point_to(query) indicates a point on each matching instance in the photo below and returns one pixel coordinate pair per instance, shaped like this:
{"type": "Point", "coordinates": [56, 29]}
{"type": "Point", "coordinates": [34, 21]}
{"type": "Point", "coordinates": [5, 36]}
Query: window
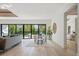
{"type": "Point", "coordinates": [34, 30]}
{"type": "Point", "coordinates": [27, 31]}
{"type": "Point", "coordinates": [42, 29]}
{"type": "Point", "coordinates": [12, 29]}
{"type": "Point", "coordinates": [4, 30]}
{"type": "Point", "coordinates": [19, 29]}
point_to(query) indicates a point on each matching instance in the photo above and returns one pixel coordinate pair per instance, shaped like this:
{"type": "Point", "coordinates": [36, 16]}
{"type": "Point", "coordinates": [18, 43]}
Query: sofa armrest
{"type": "Point", "coordinates": [2, 43]}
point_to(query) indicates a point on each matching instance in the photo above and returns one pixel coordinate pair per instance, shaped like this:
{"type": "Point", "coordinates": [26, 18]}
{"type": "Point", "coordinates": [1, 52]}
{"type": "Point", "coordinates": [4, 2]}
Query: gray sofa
{"type": "Point", "coordinates": [11, 41]}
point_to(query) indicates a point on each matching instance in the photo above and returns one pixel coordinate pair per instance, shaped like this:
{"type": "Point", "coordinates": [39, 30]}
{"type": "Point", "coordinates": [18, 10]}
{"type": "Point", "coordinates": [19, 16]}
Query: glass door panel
{"type": "Point", "coordinates": [4, 30]}
{"type": "Point", "coordinates": [42, 29]}
{"type": "Point", "coordinates": [34, 30]}
{"type": "Point", "coordinates": [20, 30]}
{"type": "Point", "coordinates": [27, 31]}
{"type": "Point", "coordinates": [12, 29]}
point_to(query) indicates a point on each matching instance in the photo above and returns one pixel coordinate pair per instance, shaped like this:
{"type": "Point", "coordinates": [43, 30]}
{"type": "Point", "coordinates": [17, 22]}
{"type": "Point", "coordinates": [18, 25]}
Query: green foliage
{"type": "Point", "coordinates": [12, 29]}
{"type": "Point", "coordinates": [27, 29]}
{"type": "Point", "coordinates": [49, 31]}
{"type": "Point", "coordinates": [20, 31]}
{"type": "Point", "coordinates": [33, 29]}
{"type": "Point", "coordinates": [42, 29]}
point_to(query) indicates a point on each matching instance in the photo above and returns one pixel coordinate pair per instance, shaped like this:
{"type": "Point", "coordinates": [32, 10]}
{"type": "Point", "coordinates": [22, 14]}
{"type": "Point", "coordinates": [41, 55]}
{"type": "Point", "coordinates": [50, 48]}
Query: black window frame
{"type": "Point", "coordinates": [23, 29]}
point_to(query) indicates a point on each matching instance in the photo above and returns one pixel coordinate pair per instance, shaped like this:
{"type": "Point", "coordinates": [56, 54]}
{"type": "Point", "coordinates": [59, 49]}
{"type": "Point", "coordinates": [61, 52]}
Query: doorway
{"type": "Point", "coordinates": [70, 29]}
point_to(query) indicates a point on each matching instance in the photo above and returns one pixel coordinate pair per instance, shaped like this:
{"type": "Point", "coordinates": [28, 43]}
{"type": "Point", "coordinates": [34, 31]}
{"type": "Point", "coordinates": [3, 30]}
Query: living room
{"type": "Point", "coordinates": [33, 27]}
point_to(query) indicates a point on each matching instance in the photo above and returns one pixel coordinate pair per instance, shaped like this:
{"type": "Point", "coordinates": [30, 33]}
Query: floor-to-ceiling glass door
{"type": "Point", "coordinates": [27, 31]}
{"type": "Point", "coordinates": [42, 29]}
{"type": "Point", "coordinates": [34, 31]}
{"type": "Point", "coordinates": [19, 30]}
{"type": "Point", "coordinates": [12, 29]}
{"type": "Point", "coordinates": [4, 30]}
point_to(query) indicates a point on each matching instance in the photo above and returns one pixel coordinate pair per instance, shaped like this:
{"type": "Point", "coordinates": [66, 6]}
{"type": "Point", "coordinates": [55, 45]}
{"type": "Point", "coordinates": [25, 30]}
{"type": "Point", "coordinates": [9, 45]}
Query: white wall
{"type": "Point", "coordinates": [24, 21]}
{"type": "Point", "coordinates": [59, 20]}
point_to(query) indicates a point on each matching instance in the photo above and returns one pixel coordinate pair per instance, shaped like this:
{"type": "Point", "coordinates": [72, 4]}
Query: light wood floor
{"type": "Point", "coordinates": [29, 48]}
{"type": "Point", "coordinates": [71, 44]}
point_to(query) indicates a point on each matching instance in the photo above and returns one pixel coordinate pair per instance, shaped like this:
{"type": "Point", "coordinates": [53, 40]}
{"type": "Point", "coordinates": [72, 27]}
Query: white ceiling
{"type": "Point", "coordinates": [36, 10]}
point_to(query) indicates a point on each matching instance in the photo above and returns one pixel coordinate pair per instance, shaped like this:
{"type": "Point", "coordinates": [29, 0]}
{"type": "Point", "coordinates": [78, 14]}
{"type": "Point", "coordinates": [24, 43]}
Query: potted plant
{"type": "Point", "coordinates": [49, 32]}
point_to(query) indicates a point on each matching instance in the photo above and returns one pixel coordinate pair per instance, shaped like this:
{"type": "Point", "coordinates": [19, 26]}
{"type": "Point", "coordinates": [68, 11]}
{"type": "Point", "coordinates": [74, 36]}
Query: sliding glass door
{"type": "Point", "coordinates": [19, 30]}
{"type": "Point", "coordinates": [4, 30]}
{"type": "Point", "coordinates": [42, 29]}
{"type": "Point", "coordinates": [12, 29]}
{"type": "Point", "coordinates": [34, 30]}
{"type": "Point", "coordinates": [27, 31]}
